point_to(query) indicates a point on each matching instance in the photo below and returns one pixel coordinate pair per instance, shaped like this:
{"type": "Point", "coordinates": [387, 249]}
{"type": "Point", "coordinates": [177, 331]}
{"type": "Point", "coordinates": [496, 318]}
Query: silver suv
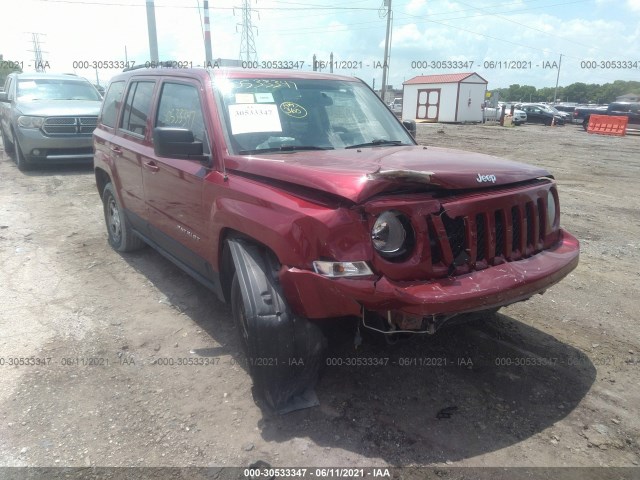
{"type": "Point", "coordinates": [48, 118]}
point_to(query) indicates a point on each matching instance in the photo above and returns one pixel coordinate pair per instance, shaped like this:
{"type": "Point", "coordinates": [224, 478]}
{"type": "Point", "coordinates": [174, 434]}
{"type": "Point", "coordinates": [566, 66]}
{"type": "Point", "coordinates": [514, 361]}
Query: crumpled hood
{"type": "Point", "coordinates": [59, 108]}
{"type": "Point", "coordinates": [358, 174]}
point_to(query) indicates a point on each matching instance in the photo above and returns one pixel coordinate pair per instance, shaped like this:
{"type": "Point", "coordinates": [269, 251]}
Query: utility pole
{"type": "Point", "coordinates": [385, 64]}
{"type": "Point", "coordinates": [207, 36]}
{"type": "Point", "coordinates": [153, 37]}
{"type": "Point", "coordinates": [555, 94]}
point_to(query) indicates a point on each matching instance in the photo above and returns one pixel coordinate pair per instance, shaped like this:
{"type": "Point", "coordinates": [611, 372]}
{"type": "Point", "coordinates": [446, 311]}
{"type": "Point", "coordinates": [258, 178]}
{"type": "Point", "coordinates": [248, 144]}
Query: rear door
{"type": "Point", "coordinates": [134, 148]}
{"type": "Point", "coordinates": [103, 135]}
{"type": "Point", "coordinates": [174, 187]}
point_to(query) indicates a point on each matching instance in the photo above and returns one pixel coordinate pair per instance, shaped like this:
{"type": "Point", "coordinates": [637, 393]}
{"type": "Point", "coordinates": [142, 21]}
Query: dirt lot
{"type": "Point", "coordinates": [554, 381]}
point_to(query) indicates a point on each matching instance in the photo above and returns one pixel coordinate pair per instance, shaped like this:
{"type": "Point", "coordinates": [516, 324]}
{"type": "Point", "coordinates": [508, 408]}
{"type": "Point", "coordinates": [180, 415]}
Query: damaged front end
{"type": "Point", "coordinates": [442, 256]}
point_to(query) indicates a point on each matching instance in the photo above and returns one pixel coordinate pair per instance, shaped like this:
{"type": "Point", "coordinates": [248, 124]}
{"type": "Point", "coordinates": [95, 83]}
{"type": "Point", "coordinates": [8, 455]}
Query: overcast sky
{"type": "Point", "coordinates": [509, 33]}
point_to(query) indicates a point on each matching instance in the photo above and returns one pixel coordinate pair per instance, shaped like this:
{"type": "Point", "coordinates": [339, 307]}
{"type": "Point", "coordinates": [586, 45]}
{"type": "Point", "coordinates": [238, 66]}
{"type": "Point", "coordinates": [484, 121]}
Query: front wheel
{"type": "Point", "coordinates": [21, 161]}
{"type": "Point", "coordinates": [121, 236]}
{"type": "Point", "coordinates": [284, 352]}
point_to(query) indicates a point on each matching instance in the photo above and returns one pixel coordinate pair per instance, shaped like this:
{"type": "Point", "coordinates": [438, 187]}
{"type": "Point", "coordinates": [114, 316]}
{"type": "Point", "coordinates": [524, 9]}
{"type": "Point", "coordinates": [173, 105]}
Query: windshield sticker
{"type": "Point", "coordinates": [293, 109]}
{"type": "Point", "coordinates": [264, 97]}
{"type": "Point", "coordinates": [244, 98]}
{"type": "Point", "coordinates": [254, 118]}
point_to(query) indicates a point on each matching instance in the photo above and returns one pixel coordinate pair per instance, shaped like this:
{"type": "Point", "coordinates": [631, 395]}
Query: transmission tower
{"type": "Point", "coordinates": [247, 43]}
{"type": "Point", "coordinates": [39, 63]}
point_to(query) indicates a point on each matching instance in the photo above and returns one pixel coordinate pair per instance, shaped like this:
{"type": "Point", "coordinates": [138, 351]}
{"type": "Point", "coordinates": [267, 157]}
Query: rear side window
{"type": "Point", "coordinates": [137, 108]}
{"type": "Point", "coordinates": [111, 104]}
{"type": "Point", "coordinates": [179, 106]}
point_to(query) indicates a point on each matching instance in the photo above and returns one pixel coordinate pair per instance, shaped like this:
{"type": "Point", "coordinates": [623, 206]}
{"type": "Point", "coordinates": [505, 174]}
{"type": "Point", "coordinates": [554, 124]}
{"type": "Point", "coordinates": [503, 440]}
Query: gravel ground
{"type": "Point", "coordinates": [104, 328]}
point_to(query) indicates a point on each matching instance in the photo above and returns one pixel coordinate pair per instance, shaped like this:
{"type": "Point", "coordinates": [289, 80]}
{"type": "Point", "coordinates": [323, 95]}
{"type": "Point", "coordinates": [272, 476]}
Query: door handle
{"type": "Point", "coordinates": [151, 166]}
{"type": "Point", "coordinates": [115, 150]}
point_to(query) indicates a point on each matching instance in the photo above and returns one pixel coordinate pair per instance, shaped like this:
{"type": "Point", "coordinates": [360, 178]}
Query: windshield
{"type": "Point", "coordinates": [276, 115]}
{"type": "Point", "coordinates": [54, 89]}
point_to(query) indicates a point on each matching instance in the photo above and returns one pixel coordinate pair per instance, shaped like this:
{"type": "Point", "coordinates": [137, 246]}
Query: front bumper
{"type": "Point", "coordinates": [37, 147]}
{"type": "Point", "coordinates": [314, 296]}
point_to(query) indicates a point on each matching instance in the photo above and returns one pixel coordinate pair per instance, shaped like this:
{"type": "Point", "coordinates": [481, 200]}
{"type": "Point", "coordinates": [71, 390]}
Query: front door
{"type": "Point", "coordinates": [428, 107]}
{"type": "Point", "coordinates": [173, 187]}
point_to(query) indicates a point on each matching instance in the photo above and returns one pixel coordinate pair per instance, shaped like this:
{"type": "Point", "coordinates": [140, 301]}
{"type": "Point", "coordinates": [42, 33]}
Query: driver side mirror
{"type": "Point", "coordinates": [410, 125]}
{"type": "Point", "coordinates": [177, 143]}
{"type": "Point", "coordinates": [4, 97]}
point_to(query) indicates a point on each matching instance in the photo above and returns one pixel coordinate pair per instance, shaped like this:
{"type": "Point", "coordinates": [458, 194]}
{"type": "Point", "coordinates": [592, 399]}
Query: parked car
{"type": "Point", "coordinates": [396, 106]}
{"type": "Point", "coordinates": [631, 110]}
{"type": "Point", "coordinates": [299, 197]}
{"type": "Point", "coordinates": [583, 111]}
{"type": "Point", "coordinates": [493, 114]}
{"type": "Point", "coordinates": [540, 113]}
{"type": "Point", "coordinates": [48, 118]}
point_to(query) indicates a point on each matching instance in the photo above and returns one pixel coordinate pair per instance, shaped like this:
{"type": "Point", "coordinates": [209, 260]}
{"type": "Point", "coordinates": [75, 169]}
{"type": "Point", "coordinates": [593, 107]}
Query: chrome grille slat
{"type": "Point", "coordinates": [69, 125]}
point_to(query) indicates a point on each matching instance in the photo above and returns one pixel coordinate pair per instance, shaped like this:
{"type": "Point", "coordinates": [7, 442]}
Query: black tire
{"type": "Point", "coordinates": [585, 124]}
{"type": "Point", "coordinates": [284, 352]}
{"type": "Point", "coordinates": [121, 236]}
{"type": "Point", "coordinates": [548, 122]}
{"type": "Point", "coordinates": [8, 146]}
{"type": "Point", "coordinates": [21, 162]}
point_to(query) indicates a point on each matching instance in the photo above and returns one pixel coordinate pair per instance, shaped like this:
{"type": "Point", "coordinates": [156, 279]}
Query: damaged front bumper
{"type": "Point", "coordinates": [315, 296]}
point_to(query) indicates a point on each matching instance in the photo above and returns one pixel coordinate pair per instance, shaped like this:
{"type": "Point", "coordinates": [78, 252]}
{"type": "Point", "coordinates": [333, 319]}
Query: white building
{"type": "Point", "coordinates": [455, 97]}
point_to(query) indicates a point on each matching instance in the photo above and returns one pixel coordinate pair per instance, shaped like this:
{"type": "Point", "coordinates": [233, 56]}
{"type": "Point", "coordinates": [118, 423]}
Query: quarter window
{"type": "Point", "coordinates": [137, 107]}
{"type": "Point", "coordinates": [111, 105]}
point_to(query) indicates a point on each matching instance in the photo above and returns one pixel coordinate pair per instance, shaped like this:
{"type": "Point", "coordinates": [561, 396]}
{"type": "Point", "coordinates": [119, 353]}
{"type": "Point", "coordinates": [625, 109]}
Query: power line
{"type": "Point", "coordinates": [80, 2]}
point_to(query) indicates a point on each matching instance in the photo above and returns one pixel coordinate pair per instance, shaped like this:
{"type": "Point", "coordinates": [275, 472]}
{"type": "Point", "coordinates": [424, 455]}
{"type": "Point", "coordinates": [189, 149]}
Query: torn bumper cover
{"type": "Point", "coordinates": [315, 296]}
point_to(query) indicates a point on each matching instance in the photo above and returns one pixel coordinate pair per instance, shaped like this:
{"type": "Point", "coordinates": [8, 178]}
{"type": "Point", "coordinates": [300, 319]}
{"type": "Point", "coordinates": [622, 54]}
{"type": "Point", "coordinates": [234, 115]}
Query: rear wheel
{"type": "Point", "coordinates": [284, 352]}
{"type": "Point", "coordinates": [121, 236]}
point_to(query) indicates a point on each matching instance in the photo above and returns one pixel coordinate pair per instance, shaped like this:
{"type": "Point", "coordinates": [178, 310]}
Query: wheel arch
{"type": "Point", "coordinates": [102, 178]}
{"type": "Point", "coordinates": [226, 262]}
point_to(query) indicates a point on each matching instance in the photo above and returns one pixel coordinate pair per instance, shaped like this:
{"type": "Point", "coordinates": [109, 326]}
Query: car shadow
{"type": "Point", "coordinates": [44, 169]}
{"type": "Point", "coordinates": [64, 169]}
{"type": "Point", "coordinates": [468, 390]}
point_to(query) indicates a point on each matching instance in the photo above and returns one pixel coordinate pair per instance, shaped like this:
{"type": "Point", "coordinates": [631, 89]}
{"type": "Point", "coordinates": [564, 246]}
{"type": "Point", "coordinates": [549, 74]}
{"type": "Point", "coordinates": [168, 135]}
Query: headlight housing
{"type": "Point", "coordinates": [26, 121]}
{"type": "Point", "coordinates": [392, 235]}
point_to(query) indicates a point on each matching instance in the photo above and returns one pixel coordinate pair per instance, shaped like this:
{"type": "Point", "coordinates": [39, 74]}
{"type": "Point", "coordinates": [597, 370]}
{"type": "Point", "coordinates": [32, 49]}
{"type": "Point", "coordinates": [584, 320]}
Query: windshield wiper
{"type": "Point", "coordinates": [377, 142]}
{"type": "Point", "coordinates": [283, 148]}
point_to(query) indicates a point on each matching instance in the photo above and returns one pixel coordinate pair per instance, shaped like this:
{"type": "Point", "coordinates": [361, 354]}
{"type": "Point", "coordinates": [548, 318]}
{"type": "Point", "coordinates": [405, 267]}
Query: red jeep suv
{"type": "Point", "coordinates": [299, 197]}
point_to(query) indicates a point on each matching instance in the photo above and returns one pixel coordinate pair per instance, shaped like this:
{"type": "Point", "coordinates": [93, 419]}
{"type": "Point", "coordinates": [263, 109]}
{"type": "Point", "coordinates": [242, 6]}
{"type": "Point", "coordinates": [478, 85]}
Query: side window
{"type": "Point", "coordinates": [137, 108]}
{"type": "Point", "coordinates": [111, 104]}
{"type": "Point", "coordinates": [179, 106]}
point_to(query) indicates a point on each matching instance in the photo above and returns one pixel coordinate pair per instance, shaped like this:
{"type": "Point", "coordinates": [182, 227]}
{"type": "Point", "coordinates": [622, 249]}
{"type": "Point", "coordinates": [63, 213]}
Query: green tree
{"type": "Point", "coordinates": [6, 69]}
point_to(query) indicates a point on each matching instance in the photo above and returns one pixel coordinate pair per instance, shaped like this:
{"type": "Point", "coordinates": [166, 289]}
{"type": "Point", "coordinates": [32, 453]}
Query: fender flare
{"type": "Point", "coordinates": [285, 352]}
